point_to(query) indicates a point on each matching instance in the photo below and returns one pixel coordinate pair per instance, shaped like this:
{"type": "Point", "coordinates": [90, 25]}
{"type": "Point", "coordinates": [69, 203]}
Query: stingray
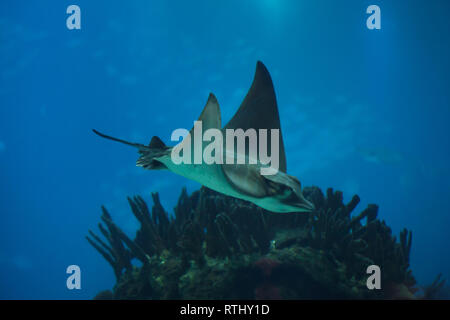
{"type": "Point", "coordinates": [277, 192]}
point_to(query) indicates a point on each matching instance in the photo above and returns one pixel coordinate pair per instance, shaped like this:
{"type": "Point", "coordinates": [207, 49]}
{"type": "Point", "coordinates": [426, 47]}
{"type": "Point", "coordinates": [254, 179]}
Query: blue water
{"type": "Point", "coordinates": [363, 111]}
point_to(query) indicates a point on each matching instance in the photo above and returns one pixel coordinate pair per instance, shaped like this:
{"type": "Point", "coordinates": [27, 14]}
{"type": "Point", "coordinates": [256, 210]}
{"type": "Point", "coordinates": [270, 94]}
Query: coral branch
{"type": "Point", "coordinates": [216, 246]}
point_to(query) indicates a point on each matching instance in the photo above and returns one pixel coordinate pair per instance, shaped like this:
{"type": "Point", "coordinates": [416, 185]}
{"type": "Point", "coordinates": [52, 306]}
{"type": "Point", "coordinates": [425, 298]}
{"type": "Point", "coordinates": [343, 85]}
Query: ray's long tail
{"type": "Point", "coordinates": [149, 154]}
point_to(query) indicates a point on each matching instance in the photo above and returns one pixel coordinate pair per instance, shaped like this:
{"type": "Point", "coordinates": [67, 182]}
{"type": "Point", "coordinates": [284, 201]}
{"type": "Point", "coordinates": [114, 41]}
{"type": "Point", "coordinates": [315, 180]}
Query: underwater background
{"type": "Point", "coordinates": [363, 111]}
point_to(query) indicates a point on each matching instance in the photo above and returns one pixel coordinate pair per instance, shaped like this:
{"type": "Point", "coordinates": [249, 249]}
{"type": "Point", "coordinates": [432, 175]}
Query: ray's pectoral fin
{"type": "Point", "coordinates": [246, 179]}
{"type": "Point", "coordinates": [210, 116]}
{"type": "Point", "coordinates": [193, 144]}
{"type": "Point", "coordinates": [149, 154]}
{"type": "Point", "coordinates": [259, 110]}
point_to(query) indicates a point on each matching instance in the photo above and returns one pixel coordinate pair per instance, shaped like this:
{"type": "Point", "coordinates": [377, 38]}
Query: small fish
{"type": "Point", "coordinates": [277, 192]}
{"type": "Point", "coordinates": [380, 155]}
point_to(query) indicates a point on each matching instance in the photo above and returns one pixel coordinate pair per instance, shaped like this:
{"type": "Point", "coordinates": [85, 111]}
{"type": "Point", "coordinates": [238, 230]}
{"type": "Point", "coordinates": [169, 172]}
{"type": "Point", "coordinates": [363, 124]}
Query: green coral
{"type": "Point", "coordinates": [218, 247]}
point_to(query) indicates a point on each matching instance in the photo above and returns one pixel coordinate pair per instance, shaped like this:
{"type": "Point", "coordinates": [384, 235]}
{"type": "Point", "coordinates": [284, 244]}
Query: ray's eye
{"type": "Point", "coordinates": [286, 193]}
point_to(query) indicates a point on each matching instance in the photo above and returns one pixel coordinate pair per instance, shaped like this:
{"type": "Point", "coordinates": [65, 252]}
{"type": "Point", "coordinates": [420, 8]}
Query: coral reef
{"type": "Point", "coordinates": [218, 247]}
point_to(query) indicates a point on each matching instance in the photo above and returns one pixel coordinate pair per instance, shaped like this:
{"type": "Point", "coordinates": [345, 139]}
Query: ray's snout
{"type": "Point", "coordinates": [307, 205]}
